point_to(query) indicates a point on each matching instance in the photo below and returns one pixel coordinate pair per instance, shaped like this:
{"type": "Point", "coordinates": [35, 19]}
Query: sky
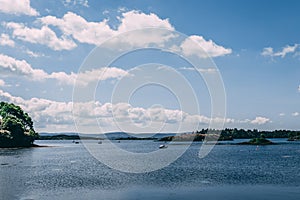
{"type": "Point", "coordinates": [58, 62]}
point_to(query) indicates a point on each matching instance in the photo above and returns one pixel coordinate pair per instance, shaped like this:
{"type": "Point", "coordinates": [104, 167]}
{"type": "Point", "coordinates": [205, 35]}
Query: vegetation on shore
{"type": "Point", "coordinates": [59, 137]}
{"type": "Point", "coordinates": [66, 137]}
{"type": "Point", "coordinates": [16, 127]}
{"type": "Point", "coordinates": [258, 141]}
{"type": "Point", "coordinates": [230, 134]}
{"type": "Point", "coordinates": [224, 135]}
{"type": "Point", "coordinates": [294, 136]}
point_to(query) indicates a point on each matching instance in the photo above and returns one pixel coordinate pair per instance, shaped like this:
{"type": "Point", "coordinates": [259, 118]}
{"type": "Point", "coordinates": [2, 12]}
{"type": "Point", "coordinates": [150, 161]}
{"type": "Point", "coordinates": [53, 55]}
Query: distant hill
{"type": "Point", "coordinates": [111, 136]}
{"type": "Point", "coordinates": [118, 135]}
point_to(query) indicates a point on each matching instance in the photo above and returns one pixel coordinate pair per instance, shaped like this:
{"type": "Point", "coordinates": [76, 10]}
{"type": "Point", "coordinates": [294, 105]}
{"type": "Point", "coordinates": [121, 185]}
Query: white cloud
{"type": "Point", "coordinates": [95, 33]}
{"type": "Point", "coordinates": [260, 120]}
{"type": "Point", "coordinates": [191, 45]}
{"type": "Point", "coordinates": [202, 70]}
{"type": "Point", "coordinates": [83, 78]}
{"type": "Point", "coordinates": [33, 54]}
{"type": "Point", "coordinates": [122, 9]}
{"type": "Point", "coordinates": [281, 114]}
{"type": "Point", "coordinates": [268, 51]}
{"type": "Point", "coordinates": [286, 50]}
{"type": "Point", "coordinates": [17, 7]}
{"type": "Point", "coordinates": [295, 114]}
{"type": "Point", "coordinates": [19, 67]}
{"type": "Point", "coordinates": [6, 41]}
{"type": "Point", "coordinates": [48, 114]}
{"type": "Point", "coordinates": [12, 66]}
{"type": "Point", "coordinates": [105, 12]}
{"type": "Point", "coordinates": [44, 36]}
{"type": "Point", "coordinates": [133, 20]}
{"type": "Point", "coordinates": [76, 26]}
{"type": "Point", "coordinates": [43, 111]}
{"type": "Point", "coordinates": [84, 3]}
{"type": "Point", "coordinates": [2, 83]}
{"type": "Point", "coordinates": [299, 88]}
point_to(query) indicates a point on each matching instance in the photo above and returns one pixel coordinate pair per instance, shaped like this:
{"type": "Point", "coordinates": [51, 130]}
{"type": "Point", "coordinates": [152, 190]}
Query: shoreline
{"type": "Point", "coordinates": [26, 147]}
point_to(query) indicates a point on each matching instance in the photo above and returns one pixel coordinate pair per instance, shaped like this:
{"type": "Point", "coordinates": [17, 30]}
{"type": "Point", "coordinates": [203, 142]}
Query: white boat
{"type": "Point", "coordinates": [162, 146]}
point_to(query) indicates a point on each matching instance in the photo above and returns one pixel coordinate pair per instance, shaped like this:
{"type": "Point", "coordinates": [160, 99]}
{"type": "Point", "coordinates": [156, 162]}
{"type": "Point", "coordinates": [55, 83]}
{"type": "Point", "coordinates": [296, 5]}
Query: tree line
{"type": "Point", "coordinates": [230, 134]}
{"type": "Point", "coordinates": [248, 134]}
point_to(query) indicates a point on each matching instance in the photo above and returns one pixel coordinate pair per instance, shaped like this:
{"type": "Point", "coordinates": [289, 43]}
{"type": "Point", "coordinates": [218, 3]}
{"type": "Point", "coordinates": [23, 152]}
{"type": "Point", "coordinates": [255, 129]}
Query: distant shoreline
{"type": "Point", "coordinates": [26, 147]}
{"type": "Point", "coordinates": [204, 134]}
{"type": "Point", "coordinates": [229, 143]}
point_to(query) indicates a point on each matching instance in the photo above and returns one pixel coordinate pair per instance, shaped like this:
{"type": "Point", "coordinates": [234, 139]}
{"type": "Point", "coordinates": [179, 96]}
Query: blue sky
{"type": "Point", "coordinates": [254, 44]}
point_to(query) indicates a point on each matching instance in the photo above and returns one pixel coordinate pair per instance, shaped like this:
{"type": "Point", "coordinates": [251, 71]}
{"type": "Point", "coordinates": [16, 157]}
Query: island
{"type": "Point", "coordinates": [16, 127]}
{"type": "Point", "coordinates": [256, 137]}
{"type": "Point", "coordinates": [258, 141]}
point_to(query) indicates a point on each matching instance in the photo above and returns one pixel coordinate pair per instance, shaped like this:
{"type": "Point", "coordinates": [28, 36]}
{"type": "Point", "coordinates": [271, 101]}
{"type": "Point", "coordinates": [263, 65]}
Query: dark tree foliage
{"type": "Point", "coordinates": [230, 134]}
{"type": "Point", "coordinates": [16, 127]}
{"type": "Point", "coordinates": [248, 134]}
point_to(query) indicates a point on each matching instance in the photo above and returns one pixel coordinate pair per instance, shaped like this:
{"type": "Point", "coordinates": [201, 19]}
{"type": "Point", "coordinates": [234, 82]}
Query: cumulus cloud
{"type": "Point", "coordinates": [260, 120]}
{"type": "Point", "coordinates": [42, 111]}
{"type": "Point", "coordinates": [17, 7]}
{"type": "Point", "coordinates": [268, 51]}
{"type": "Point", "coordinates": [191, 45]}
{"type": "Point", "coordinates": [299, 88]}
{"type": "Point", "coordinates": [52, 114]}
{"type": "Point", "coordinates": [295, 114]}
{"type": "Point", "coordinates": [44, 36]}
{"type": "Point", "coordinates": [83, 78]}
{"type": "Point", "coordinates": [48, 113]}
{"type": "Point", "coordinates": [95, 33]}
{"type": "Point", "coordinates": [75, 27]}
{"type": "Point", "coordinates": [12, 66]}
{"type": "Point", "coordinates": [133, 20]}
{"type": "Point", "coordinates": [6, 41]}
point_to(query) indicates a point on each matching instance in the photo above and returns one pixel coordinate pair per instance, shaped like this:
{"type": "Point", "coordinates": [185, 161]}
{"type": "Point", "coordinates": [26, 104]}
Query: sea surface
{"type": "Point", "coordinates": [65, 170]}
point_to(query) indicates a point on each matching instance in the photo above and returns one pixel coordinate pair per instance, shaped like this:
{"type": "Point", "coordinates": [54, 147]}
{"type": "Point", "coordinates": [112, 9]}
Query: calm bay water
{"type": "Point", "coordinates": [67, 171]}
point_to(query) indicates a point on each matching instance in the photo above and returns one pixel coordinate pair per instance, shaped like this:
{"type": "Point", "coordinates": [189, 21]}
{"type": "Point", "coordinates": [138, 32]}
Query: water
{"type": "Point", "coordinates": [67, 171]}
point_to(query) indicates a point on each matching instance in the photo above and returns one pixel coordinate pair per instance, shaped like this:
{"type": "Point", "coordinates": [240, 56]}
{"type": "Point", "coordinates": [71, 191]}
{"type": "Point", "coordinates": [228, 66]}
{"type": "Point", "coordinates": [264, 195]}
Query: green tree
{"type": "Point", "coordinates": [7, 109]}
{"type": "Point", "coordinates": [16, 126]}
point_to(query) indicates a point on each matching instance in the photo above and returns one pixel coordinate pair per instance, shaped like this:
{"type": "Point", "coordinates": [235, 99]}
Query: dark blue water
{"type": "Point", "coordinates": [67, 171]}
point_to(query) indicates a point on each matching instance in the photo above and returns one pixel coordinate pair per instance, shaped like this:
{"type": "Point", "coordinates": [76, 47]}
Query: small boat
{"type": "Point", "coordinates": [162, 146]}
{"type": "Point", "coordinates": [76, 142]}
